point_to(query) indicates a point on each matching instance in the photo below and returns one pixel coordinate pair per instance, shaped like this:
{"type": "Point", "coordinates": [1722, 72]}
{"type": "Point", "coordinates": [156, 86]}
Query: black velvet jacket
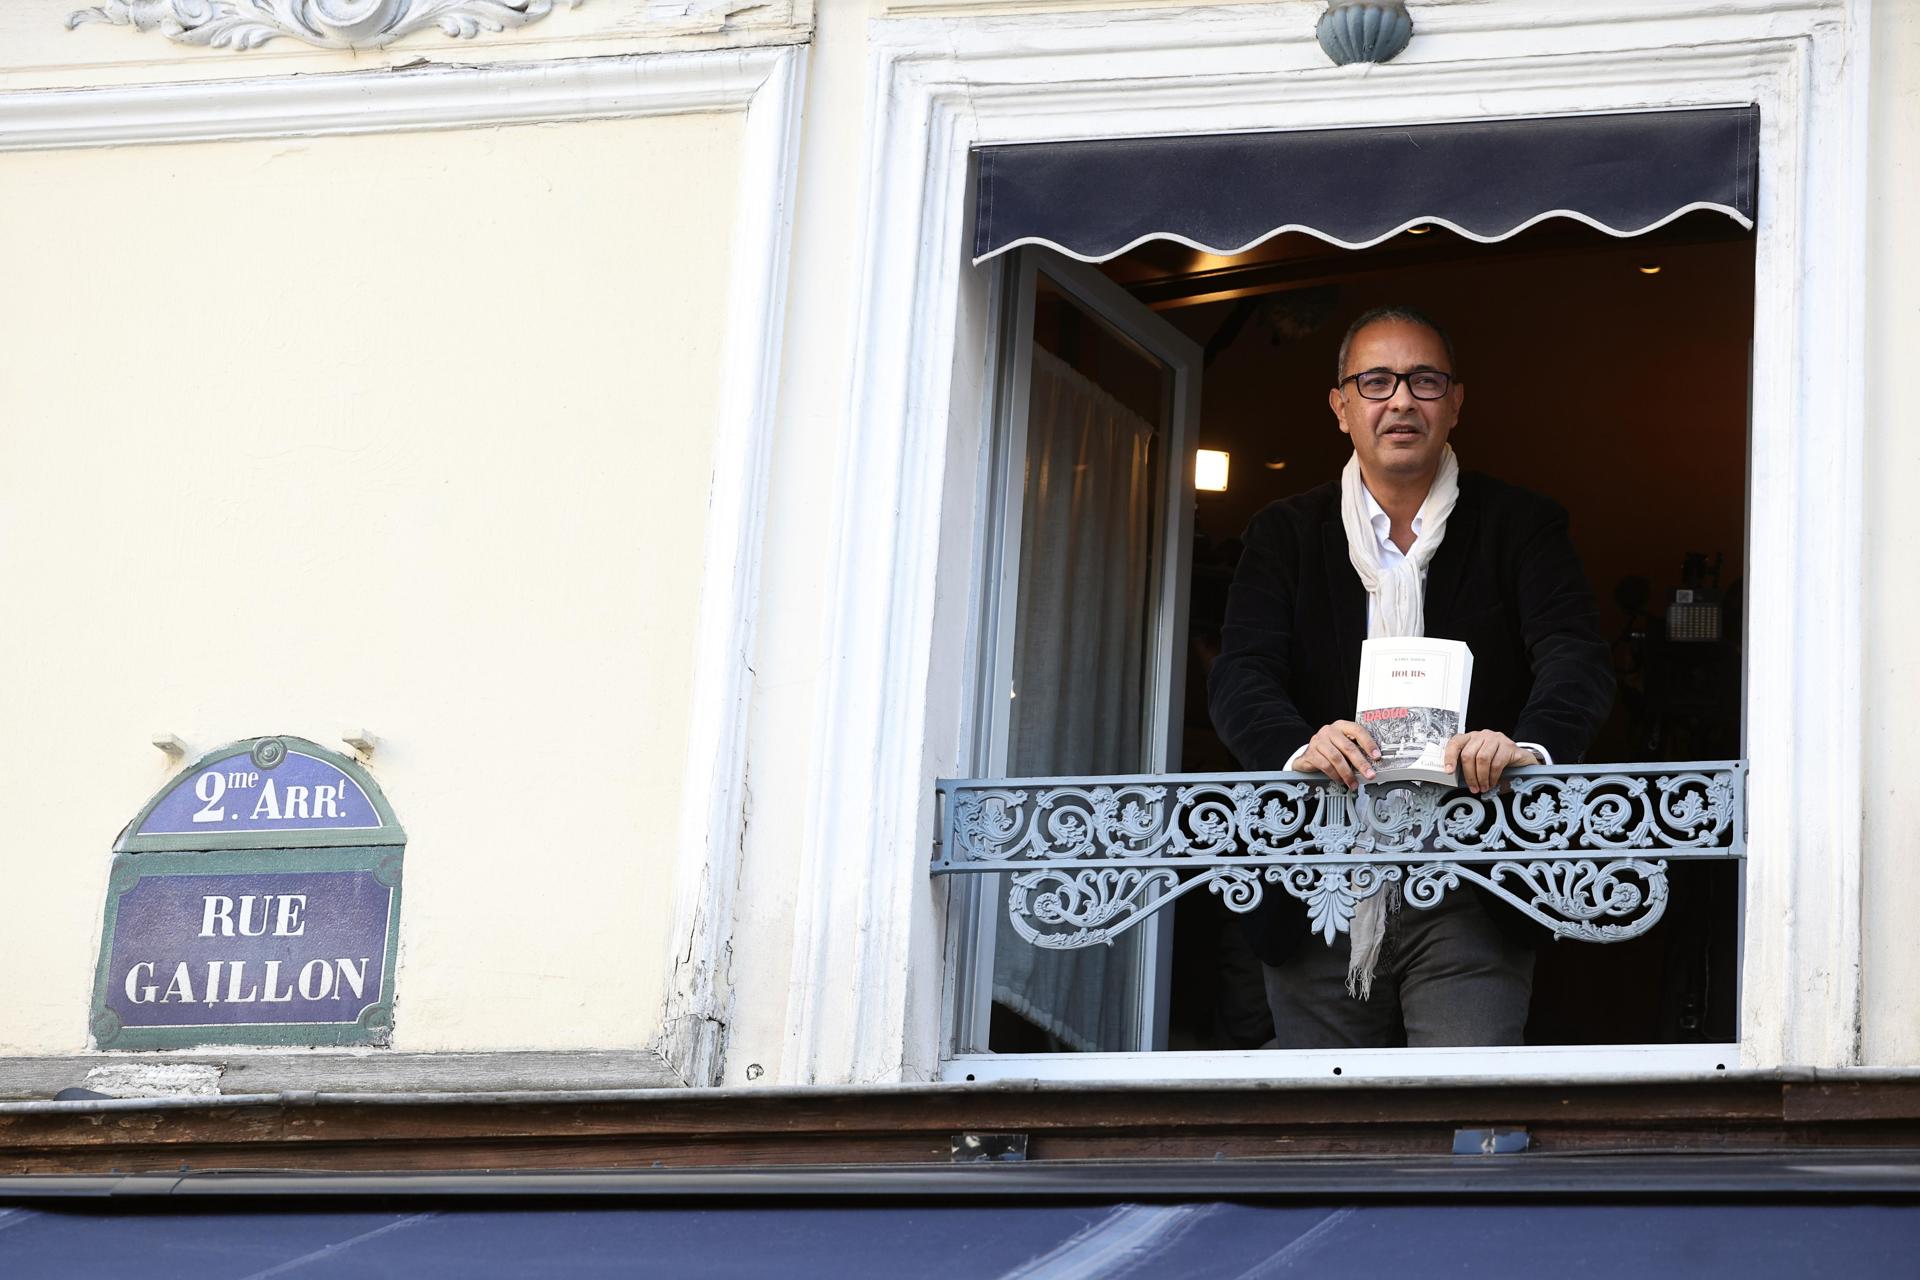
{"type": "Point", "coordinates": [1506, 580]}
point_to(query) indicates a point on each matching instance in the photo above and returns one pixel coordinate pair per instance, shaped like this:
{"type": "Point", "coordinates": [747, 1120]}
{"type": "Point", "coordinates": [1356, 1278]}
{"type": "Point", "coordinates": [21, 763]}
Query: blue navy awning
{"type": "Point", "coordinates": [1699, 1216]}
{"type": "Point", "coordinates": [1210, 1240]}
{"type": "Point", "coordinates": [1624, 174]}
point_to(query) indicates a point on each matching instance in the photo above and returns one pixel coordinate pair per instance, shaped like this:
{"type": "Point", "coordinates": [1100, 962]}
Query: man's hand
{"type": "Point", "coordinates": [1340, 750]}
{"type": "Point", "coordinates": [1483, 755]}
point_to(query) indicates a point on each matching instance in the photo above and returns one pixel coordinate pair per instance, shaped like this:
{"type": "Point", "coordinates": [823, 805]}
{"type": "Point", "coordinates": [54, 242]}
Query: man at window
{"type": "Point", "coordinates": [1405, 543]}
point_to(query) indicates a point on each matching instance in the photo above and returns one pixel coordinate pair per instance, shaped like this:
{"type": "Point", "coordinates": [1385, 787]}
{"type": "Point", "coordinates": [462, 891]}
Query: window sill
{"type": "Point", "coordinates": [1531, 1062]}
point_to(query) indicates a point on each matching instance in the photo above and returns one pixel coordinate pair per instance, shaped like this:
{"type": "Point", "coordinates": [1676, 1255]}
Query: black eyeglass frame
{"type": "Point", "coordinates": [1399, 378]}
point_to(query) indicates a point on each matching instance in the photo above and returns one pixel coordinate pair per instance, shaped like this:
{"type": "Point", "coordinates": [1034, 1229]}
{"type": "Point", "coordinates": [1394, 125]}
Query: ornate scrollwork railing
{"type": "Point", "coordinates": [1582, 849]}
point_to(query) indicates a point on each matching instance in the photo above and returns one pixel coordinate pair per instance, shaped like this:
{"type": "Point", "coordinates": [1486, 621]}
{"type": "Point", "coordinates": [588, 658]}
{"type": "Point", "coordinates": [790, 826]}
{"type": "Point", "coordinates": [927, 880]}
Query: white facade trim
{"type": "Point", "coordinates": [864, 1005]}
{"type": "Point", "coordinates": [765, 84]}
{"type": "Point", "coordinates": [714, 817]}
{"type": "Point", "coordinates": [432, 97]}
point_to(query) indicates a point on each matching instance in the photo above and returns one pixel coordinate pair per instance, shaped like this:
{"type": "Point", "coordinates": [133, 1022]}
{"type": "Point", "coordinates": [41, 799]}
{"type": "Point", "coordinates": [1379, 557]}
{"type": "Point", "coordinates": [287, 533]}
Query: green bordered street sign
{"type": "Point", "coordinates": [254, 900]}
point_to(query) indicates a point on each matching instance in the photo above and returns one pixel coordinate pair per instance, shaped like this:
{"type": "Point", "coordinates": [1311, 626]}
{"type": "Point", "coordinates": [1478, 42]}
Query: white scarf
{"type": "Point", "coordinates": [1396, 598]}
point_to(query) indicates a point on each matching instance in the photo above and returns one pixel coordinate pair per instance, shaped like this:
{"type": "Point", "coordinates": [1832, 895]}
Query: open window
{"type": "Point", "coordinates": [1086, 675]}
{"type": "Point", "coordinates": [1597, 276]}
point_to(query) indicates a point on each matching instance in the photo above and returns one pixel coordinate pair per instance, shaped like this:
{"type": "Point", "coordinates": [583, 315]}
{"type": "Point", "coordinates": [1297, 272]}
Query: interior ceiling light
{"type": "Point", "coordinates": [1420, 230]}
{"type": "Point", "coordinates": [1275, 464]}
{"type": "Point", "coordinates": [1649, 268]}
{"type": "Point", "coordinates": [1210, 470]}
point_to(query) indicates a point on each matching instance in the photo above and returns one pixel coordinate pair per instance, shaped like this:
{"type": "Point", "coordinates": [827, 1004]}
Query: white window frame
{"type": "Point", "coordinates": [970, 959]}
{"type": "Point", "coordinates": [895, 715]}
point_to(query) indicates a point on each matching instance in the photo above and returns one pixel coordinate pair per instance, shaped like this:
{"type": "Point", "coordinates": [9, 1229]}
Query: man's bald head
{"type": "Point", "coordinates": [1393, 311]}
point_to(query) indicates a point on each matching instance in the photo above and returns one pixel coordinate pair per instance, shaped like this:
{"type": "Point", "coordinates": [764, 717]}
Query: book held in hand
{"type": "Point", "coordinates": [1413, 698]}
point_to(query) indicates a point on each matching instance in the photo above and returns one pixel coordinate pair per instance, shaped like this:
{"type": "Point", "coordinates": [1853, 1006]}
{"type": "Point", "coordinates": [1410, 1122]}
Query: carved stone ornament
{"type": "Point", "coordinates": [1364, 30]}
{"type": "Point", "coordinates": [326, 24]}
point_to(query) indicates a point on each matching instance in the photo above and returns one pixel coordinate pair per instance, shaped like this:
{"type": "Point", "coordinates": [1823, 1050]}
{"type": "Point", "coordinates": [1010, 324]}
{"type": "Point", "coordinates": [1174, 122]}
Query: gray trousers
{"type": "Point", "coordinates": [1446, 977]}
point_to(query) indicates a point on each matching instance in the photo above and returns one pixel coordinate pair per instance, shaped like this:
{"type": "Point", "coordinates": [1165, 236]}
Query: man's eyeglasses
{"type": "Point", "coordinates": [1380, 384]}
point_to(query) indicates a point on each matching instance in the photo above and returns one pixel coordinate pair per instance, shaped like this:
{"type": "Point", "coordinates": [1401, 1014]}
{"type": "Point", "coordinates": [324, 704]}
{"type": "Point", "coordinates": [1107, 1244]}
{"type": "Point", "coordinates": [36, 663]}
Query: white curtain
{"type": "Point", "coordinates": [1081, 648]}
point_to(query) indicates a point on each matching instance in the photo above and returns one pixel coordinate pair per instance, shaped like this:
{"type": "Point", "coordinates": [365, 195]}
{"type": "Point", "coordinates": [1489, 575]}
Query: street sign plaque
{"type": "Point", "coordinates": [254, 900]}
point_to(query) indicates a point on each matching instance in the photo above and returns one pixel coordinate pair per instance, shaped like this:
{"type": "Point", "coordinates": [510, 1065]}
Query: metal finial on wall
{"type": "Point", "coordinates": [1364, 30]}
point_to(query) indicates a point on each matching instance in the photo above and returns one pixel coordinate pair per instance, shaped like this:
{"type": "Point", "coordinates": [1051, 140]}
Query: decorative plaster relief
{"type": "Point", "coordinates": [326, 24]}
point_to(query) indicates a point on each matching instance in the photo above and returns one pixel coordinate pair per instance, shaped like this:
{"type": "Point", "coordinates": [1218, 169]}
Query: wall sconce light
{"type": "Point", "coordinates": [1650, 269]}
{"type": "Point", "coordinates": [1364, 30]}
{"type": "Point", "coordinates": [1210, 470]}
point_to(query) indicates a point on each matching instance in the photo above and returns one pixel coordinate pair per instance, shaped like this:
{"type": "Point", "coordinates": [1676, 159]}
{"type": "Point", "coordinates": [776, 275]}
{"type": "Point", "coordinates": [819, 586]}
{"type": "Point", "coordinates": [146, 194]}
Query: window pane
{"type": "Point", "coordinates": [1084, 640]}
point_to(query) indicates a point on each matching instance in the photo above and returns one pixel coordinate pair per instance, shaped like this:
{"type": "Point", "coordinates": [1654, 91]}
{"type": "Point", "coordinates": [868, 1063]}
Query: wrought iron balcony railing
{"type": "Point", "coordinates": [1582, 849]}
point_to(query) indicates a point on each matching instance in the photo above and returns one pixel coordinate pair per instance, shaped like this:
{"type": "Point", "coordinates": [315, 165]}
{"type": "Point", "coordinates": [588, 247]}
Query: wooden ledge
{"type": "Point", "coordinates": [678, 1128]}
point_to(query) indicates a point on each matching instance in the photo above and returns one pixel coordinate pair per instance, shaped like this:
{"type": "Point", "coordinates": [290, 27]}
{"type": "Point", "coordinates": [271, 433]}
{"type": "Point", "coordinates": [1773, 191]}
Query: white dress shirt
{"type": "Point", "coordinates": [1391, 555]}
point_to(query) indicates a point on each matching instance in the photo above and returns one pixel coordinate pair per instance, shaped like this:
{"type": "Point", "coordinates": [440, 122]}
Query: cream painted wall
{"type": "Point", "coordinates": [38, 50]}
{"type": "Point", "coordinates": [409, 432]}
{"type": "Point", "coordinates": [991, 8]}
{"type": "Point", "coordinates": [1890, 1032]}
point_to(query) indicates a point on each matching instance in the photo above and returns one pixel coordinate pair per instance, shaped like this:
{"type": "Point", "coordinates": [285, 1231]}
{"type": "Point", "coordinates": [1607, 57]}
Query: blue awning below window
{"type": "Point", "coordinates": [964, 1238]}
{"type": "Point", "coordinates": [1624, 173]}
